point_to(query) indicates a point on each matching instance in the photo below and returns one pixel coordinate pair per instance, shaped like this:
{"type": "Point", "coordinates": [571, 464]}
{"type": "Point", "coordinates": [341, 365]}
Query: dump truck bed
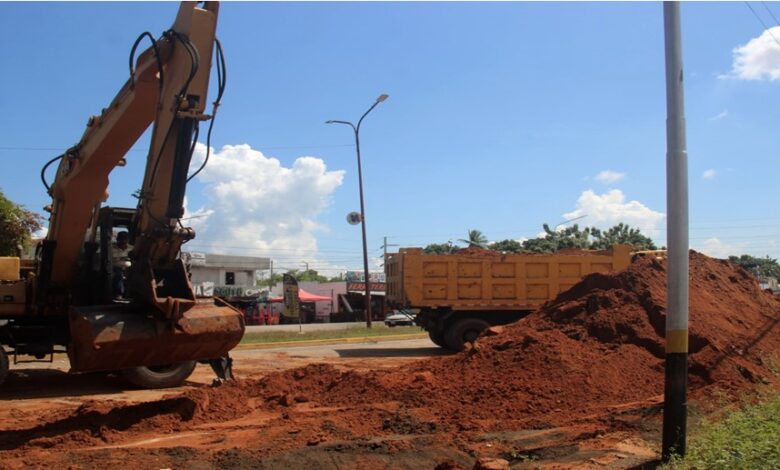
{"type": "Point", "coordinates": [476, 279]}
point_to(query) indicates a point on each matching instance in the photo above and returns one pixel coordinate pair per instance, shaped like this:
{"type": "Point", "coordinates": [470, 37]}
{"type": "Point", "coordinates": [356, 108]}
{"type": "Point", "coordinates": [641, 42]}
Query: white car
{"type": "Point", "coordinates": [399, 317]}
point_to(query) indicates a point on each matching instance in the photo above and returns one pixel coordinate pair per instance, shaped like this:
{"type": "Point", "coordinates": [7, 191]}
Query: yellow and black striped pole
{"type": "Point", "coordinates": [676, 377]}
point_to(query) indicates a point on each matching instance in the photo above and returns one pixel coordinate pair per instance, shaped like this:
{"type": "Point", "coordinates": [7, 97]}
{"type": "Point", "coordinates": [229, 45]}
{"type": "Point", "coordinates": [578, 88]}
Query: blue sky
{"type": "Point", "coordinates": [501, 116]}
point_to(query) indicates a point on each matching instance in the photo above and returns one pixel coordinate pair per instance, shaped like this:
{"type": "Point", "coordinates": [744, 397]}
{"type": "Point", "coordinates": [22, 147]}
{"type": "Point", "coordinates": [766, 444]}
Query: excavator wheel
{"type": "Point", "coordinates": [166, 376]}
{"type": "Point", "coordinates": [464, 331]}
{"type": "Point", "coordinates": [3, 365]}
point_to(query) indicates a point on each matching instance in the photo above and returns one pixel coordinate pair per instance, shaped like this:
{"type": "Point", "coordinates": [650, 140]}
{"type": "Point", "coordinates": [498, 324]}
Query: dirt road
{"type": "Point", "coordinates": [42, 386]}
{"type": "Point", "coordinates": [44, 408]}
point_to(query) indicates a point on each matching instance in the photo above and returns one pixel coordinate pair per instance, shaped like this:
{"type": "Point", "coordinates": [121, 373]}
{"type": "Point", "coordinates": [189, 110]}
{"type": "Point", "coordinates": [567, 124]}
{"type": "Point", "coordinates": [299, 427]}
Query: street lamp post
{"type": "Point", "coordinates": [356, 129]}
{"type": "Point", "coordinates": [568, 221]}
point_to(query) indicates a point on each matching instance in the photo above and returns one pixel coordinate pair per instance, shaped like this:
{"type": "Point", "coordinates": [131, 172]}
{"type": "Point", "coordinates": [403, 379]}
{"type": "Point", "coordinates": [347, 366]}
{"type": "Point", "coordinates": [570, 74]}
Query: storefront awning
{"type": "Point", "coordinates": [304, 296]}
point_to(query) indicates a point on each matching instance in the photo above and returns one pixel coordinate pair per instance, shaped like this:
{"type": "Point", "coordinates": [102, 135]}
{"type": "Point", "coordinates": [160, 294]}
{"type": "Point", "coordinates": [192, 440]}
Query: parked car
{"type": "Point", "coordinates": [400, 317]}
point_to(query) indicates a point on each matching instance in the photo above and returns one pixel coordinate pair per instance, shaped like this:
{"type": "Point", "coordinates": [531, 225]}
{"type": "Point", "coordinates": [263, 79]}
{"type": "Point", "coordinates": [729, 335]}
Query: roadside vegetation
{"type": "Point", "coordinates": [588, 238]}
{"type": "Point", "coordinates": [551, 240]}
{"type": "Point", "coordinates": [748, 438]}
{"type": "Point", "coordinates": [17, 225]}
{"type": "Point", "coordinates": [356, 332]}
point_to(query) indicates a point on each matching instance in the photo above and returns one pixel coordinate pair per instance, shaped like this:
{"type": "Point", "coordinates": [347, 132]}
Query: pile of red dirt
{"type": "Point", "coordinates": [601, 344]}
{"type": "Point", "coordinates": [593, 352]}
{"type": "Point", "coordinates": [477, 252]}
{"type": "Point", "coordinates": [733, 323]}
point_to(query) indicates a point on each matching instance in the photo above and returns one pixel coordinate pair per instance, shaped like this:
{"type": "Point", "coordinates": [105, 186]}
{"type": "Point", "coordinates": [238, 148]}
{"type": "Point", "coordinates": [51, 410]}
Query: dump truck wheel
{"type": "Point", "coordinates": [437, 338]}
{"type": "Point", "coordinates": [159, 376]}
{"type": "Point", "coordinates": [464, 331]}
{"type": "Point", "coordinates": [3, 365]}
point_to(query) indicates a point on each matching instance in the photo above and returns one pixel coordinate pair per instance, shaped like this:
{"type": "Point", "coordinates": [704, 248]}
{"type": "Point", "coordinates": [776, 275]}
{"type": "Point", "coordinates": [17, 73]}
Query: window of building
{"type": "Point", "coordinates": [230, 278]}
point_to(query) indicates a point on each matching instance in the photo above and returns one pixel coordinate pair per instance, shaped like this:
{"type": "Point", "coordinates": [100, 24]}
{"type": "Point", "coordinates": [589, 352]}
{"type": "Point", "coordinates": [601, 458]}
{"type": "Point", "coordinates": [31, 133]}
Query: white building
{"type": "Point", "coordinates": [224, 272]}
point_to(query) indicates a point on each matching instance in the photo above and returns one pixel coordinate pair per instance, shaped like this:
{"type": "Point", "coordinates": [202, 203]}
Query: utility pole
{"type": "Point", "coordinates": [305, 263]}
{"type": "Point", "coordinates": [384, 247]}
{"type": "Point", "coordinates": [676, 374]}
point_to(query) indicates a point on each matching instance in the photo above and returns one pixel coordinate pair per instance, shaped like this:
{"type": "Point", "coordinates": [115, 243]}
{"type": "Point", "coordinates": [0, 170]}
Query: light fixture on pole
{"type": "Point", "coordinates": [356, 130]}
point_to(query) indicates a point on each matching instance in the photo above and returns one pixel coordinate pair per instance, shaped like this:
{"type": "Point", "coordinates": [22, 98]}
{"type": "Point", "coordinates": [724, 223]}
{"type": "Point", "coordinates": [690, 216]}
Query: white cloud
{"type": "Point", "coordinates": [759, 59]}
{"type": "Point", "coordinates": [609, 176]}
{"type": "Point", "coordinates": [717, 249]}
{"type": "Point", "coordinates": [709, 174]}
{"type": "Point", "coordinates": [609, 209]}
{"type": "Point", "coordinates": [720, 115]}
{"type": "Point", "coordinates": [255, 206]}
{"type": "Point", "coordinates": [41, 233]}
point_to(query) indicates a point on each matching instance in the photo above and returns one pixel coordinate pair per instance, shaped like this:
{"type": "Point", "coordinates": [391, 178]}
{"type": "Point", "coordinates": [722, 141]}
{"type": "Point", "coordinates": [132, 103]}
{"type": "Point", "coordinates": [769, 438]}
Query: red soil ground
{"type": "Point", "coordinates": [590, 360]}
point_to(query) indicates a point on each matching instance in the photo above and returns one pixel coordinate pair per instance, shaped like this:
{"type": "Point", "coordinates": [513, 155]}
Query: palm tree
{"type": "Point", "coordinates": [621, 233]}
{"type": "Point", "coordinates": [476, 238]}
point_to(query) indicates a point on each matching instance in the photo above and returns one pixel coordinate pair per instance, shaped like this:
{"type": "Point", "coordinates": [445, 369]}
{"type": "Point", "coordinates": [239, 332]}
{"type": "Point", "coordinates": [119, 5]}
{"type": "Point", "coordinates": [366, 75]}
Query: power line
{"type": "Point", "coordinates": [261, 147]}
{"type": "Point", "coordinates": [766, 28]}
{"type": "Point", "coordinates": [770, 13]}
{"type": "Point", "coordinates": [537, 229]}
{"type": "Point", "coordinates": [424, 239]}
{"type": "Point", "coordinates": [290, 251]}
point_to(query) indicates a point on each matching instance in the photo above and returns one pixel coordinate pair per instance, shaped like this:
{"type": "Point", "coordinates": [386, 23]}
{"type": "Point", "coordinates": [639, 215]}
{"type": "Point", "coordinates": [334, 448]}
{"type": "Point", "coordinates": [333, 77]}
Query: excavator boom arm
{"type": "Point", "coordinates": [174, 98]}
{"type": "Point", "coordinates": [162, 323]}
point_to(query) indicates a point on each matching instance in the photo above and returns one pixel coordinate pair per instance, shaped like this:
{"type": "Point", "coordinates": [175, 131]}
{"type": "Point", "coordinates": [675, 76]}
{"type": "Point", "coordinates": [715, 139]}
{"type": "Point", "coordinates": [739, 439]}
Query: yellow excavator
{"type": "Point", "coordinates": [141, 318]}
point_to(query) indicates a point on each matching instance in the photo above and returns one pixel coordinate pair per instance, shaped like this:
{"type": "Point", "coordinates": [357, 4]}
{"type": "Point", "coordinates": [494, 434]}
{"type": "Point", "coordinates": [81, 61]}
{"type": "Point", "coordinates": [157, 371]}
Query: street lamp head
{"type": "Point", "coordinates": [336, 121]}
{"type": "Point", "coordinates": [381, 98]}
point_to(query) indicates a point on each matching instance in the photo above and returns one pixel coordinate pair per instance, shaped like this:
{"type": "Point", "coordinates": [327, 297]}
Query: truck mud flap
{"type": "Point", "coordinates": [116, 337]}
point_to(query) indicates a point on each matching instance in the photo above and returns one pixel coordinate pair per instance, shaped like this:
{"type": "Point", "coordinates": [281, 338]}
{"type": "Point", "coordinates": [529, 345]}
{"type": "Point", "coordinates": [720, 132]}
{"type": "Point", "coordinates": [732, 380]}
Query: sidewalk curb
{"type": "Point", "coordinates": [322, 342]}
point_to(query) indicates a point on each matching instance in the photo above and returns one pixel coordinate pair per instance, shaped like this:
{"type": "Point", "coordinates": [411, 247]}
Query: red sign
{"type": "Point", "coordinates": [361, 286]}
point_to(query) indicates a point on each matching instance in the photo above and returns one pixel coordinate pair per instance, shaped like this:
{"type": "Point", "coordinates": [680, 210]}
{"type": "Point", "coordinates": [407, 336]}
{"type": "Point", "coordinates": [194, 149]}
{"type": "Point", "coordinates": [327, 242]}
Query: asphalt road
{"type": "Point", "coordinates": [314, 326]}
{"type": "Point", "coordinates": [408, 348]}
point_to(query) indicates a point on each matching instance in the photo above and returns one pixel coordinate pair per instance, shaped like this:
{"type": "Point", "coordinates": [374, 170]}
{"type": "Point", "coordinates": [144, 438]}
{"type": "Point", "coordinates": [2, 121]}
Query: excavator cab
{"type": "Point", "coordinates": [98, 283]}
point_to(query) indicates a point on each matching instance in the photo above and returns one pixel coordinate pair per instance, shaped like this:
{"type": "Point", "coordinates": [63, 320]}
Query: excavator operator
{"type": "Point", "coordinates": [120, 261]}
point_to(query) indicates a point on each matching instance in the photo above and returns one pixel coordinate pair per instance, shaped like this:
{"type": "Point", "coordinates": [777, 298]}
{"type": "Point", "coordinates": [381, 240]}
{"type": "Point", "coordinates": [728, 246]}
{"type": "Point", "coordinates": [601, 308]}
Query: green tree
{"type": "Point", "coordinates": [762, 266]}
{"type": "Point", "coordinates": [475, 238]}
{"type": "Point", "coordinates": [440, 248]}
{"type": "Point", "coordinates": [588, 238]}
{"type": "Point", "coordinates": [569, 237]}
{"type": "Point", "coordinates": [17, 225]}
{"type": "Point", "coordinates": [309, 275]}
{"type": "Point", "coordinates": [620, 234]}
{"type": "Point", "coordinates": [507, 246]}
{"type": "Point", "coordinates": [271, 281]}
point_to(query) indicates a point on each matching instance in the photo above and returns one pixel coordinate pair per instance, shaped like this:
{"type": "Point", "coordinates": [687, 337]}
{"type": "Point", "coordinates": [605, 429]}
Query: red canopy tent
{"type": "Point", "coordinates": [303, 296]}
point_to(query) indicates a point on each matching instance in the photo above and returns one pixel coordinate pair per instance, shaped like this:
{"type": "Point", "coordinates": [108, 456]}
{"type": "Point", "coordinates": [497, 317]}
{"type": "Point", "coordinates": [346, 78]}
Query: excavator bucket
{"type": "Point", "coordinates": [115, 337]}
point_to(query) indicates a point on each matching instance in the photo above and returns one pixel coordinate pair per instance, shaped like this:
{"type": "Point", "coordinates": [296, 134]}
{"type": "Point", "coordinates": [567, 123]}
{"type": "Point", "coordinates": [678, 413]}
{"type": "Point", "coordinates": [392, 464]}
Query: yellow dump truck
{"type": "Point", "coordinates": [459, 295]}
